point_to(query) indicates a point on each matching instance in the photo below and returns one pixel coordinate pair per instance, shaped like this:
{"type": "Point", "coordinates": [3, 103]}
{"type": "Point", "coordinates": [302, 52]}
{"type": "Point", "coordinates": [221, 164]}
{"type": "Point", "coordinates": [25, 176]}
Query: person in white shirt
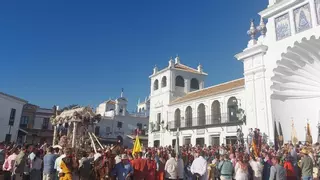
{"type": "Point", "coordinates": [171, 167]}
{"type": "Point", "coordinates": [199, 167]}
{"type": "Point", "coordinates": [57, 164]}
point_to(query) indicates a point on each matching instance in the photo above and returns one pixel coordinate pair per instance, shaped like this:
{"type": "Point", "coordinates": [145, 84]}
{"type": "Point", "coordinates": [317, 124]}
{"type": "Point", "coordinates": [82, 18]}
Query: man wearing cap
{"type": "Point", "coordinates": [306, 165]}
{"type": "Point", "coordinates": [123, 170]}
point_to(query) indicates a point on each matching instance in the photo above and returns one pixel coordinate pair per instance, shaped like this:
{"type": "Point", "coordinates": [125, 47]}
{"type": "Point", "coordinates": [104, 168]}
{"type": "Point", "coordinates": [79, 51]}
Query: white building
{"type": "Point", "coordinates": [117, 121]}
{"type": "Point", "coordinates": [281, 84]}
{"type": "Point", "coordinates": [281, 68]}
{"type": "Point", "coordinates": [10, 114]}
{"type": "Point", "coordinates": [204, 115]}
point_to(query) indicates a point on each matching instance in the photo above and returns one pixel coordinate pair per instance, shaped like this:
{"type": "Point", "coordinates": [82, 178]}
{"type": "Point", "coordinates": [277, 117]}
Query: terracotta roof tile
{"type": "Point", "coordinates": [110, 102]}
{"type": "Point", "coordinates": [186, 68]}
{"type": "Point", "coordinates": [211, 90]}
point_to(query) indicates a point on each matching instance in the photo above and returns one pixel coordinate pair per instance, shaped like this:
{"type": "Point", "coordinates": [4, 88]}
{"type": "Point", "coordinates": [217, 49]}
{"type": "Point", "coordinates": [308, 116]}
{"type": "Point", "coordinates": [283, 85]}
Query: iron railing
{"type": "Point", "coordinates": [204, 121]}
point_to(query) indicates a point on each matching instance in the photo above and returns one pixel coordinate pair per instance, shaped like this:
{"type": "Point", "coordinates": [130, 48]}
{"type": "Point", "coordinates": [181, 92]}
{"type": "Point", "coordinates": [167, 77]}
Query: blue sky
{"type": "Point", "coordinates": [83, 52]}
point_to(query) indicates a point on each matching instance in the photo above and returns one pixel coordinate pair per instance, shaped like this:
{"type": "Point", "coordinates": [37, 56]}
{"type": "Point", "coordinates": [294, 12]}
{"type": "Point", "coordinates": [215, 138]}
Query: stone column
{"type": "Point", "coordinates": [74, 133]}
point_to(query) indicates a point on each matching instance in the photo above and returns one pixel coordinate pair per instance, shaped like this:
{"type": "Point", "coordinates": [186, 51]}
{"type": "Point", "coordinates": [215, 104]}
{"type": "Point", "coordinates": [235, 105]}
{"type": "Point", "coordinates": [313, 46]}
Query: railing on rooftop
{"type": "Point", "coordinates": [217, 120]}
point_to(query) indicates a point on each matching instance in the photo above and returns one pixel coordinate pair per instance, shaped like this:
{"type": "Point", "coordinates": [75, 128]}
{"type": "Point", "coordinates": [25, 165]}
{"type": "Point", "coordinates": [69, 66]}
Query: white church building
{"type": "Point", "coordinates": [281, 84]}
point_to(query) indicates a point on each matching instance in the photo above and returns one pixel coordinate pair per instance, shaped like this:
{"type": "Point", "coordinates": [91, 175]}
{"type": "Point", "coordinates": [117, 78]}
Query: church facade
{"type": "Point", "coordinates": [280, 85]}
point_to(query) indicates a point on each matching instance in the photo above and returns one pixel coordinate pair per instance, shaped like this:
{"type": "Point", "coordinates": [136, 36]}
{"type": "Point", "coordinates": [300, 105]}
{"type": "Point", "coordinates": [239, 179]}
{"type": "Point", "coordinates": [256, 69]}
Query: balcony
{"type": "Point", "coordinates": [205, 122]}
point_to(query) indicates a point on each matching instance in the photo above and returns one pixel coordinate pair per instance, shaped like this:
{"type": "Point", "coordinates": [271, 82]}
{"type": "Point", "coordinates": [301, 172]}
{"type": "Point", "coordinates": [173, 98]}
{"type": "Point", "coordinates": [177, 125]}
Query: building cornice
{"type": "Point", "coordinates": [257, 49]}
{"type": "Point", "coordinates": [14, 98]}
{"type": "Point", "coordinates": [278, 7]}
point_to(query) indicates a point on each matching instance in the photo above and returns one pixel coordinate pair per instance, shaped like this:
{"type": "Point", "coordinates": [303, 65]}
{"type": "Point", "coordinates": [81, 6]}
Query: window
{"type": "Point", "coordinates": [108, 129]}
{"type": "Point", "coordinates": [216, 112]}
{"type": "Point", "coordinates": [139, 126]}
{"type": "Point", "coordinates": [188, 116]}
{"type": "Point", "coordinates": [179, 81]}
{"type": "Point", "coordinates": [158, 121]}
{"type": "Point", "coordinates": [201, 115]}
{"type": "Point", "coordinates": [187, 140]}
{"type": "Point", "coordinates": [215, 140]}
{"type": "Point", "coordinates": [177, 118]}
{"type": "Point", "coordinates": [194, 84]}
{"type": "Point", "coordinates": [24, 121]}
{"type": "Point", "coordinates": [12, 117]}
{"type": "Point", "coordinates": [232, 109]}
{"type": "Point", "coordinates": [164, 81]}
{"type": "Point", "coordinates": [45, 123]}
{"type": "Point", "coordinates": [97, 130]}
{"type": "Point", "coordinates": [156, 85]}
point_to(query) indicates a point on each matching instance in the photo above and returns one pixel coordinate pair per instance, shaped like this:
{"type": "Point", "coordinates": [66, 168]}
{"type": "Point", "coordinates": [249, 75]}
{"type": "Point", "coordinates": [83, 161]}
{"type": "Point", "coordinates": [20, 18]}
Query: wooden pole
{"type": "Point", "coordinates": [94, 146]}
{"type": "Point", "coordinates": [97, 140]}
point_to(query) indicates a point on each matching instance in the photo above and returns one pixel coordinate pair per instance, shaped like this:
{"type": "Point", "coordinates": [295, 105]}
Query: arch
{"type": "Point", "coordinates": [164, 81]}
{"type": "Point", "coordinates": [215, 112]}
{"type": "Point", "coordinates": [201, 115]}
{"type": "Point", "coordinates": [156, 85]}
{"type": "Point", "coordinates": [142, 110]}
{"type": "Point", "coordinates": [297, 73]}
{"type": "Point", "coordinates": [177, 118]}
{"type": "Point", "coordinates": [194, 84]}
{"type": "Point", "coordinates": [179, 81]}
{"type": "Point", "coordinates": [188, 116]}
{"type": "Point", "coordinates": [139, 110]}
{"type": "Point", "coordinates": [232, 108]}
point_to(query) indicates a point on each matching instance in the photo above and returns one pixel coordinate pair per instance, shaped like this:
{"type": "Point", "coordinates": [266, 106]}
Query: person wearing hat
{"type": "Point", "coordinates": [306, 165]}
{"type": "Point", "coordinates": [123, 170]}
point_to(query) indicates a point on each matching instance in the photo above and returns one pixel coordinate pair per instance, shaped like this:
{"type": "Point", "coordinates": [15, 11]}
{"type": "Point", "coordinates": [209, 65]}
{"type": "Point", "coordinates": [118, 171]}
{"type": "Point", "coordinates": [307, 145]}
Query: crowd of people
{"type": "Point", "coordinates": [225, 162]}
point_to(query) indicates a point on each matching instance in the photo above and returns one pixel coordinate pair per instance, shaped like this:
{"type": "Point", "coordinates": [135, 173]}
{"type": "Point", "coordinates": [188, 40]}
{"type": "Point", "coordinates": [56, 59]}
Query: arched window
{"type": "Point", "coordinates": [232, 109]}
{"type": "Point", "coordinates": [139, 110]}
{"type": "Point", "coordinates": [156, 85]}
{"type": "Point", "coordinates": [164, 81]}
{"type": "Point", "coordinates": [188, 116]}
{"type": "Point", "coordinates": [194, 83]}
{"type": "Point", "coordinates": [179, 81]}
{"type": "Point", "coordinates": [201, 115]}
{"type": "Point", "coordinates": [142, 110]}
{"type": "Point", "coordinates": [216, 112]}
{"type": "Point", "coordinates": [177, 118]}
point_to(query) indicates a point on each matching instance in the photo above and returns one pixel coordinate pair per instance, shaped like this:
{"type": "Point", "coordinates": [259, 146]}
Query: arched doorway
{"type": "Point", "coordinates": [188, 116]}
{"type": "Point", "coordinates": [177, 118]}
{"type": "Point", "coordinates": [201, 115]}
{"type": "Point", "coordinates": [215, 112]}
{"type": "Point", "coordinates": [232, 109]}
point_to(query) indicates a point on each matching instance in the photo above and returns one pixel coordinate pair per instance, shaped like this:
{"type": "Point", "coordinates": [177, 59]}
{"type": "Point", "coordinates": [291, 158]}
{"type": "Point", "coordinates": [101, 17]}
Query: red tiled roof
{"type": "Point", "coordinates": [211, 90]}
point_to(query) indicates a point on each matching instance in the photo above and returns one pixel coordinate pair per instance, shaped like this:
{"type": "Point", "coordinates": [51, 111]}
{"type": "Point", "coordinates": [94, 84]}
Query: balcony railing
{"type": "Point", "coordinates": [204, 121]}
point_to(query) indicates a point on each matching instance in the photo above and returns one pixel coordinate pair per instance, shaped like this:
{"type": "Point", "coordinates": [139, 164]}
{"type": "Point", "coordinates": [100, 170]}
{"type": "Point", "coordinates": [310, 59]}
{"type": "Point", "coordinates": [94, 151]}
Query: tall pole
{"type": "Point", "coordinates": [54, 135]}
{"type": "Point", "coordinates": [74, 133]}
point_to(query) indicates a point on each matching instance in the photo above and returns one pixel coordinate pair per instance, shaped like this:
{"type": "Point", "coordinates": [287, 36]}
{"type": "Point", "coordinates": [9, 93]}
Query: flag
{"type": "Point", "coordinates": [294, 138]}
{"type": "Point", "coordinates": [308, 135]}
{"type": "Point", "coordinates": [276, 137]}
{"type": "Point", "coordinates": [280, 135]}
{"type": "Point", "coordinates": [136, 146]}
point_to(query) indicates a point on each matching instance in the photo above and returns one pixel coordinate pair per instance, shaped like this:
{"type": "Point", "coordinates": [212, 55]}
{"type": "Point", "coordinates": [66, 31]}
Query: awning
{"type": "Point", "coordinates": [23, 130]}
{"type": "Point", "coordinates": [144, 138]}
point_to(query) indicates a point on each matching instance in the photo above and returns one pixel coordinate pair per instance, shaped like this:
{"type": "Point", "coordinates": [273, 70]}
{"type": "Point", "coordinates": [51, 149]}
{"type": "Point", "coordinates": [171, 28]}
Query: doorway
{"type": "Point", "coordinates": [200, 142]}
{"type": "Point", "coordinates": [156, 143]}
{"type": "Point", "coordinates": [231, 140]}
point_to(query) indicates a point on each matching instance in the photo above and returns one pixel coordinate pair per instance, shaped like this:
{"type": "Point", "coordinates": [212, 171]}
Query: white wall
{"type": "Point", "coordinates": [6, 104]}
{"type": "Point", "coordinates": [40, 115]}
{"type": "Point", "coordinates": [129, 124]}
{"type": "Point", "coordinates": [275, 48]}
